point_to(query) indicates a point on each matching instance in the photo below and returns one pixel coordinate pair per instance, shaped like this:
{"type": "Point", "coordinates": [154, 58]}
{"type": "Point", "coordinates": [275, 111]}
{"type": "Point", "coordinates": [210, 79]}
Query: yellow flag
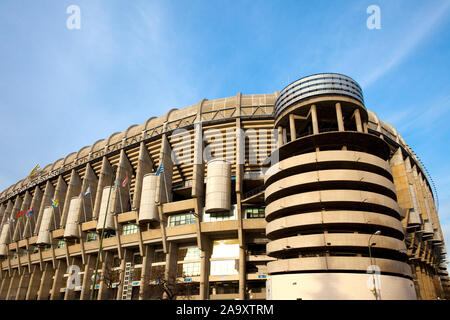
{"type": "Point", "coordinates": [34, 171]}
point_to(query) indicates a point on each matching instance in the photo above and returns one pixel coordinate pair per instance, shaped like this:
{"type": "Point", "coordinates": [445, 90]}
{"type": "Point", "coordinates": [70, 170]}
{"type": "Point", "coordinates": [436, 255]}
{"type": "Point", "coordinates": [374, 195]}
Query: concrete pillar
{"type": "Point", "coordinates": [358, 120]}
{"type": "Point", "coordinates": [170, 273]}
{"type": "Point", "coordinates": [204, 268]}
{"type": "Point", "coordinates": [280, 136]}
{"type": "Point", "coordinates": [105, 293]}
{"type": "Point", "coordinates": [242, 271]}
{"type": "Point", "coordinates": [73, 190]}
{"type": "Point", "coordinates": [339, 118]}
{"type": "Point", "coordinates": [5, 287]}
{"type": "Point", "coordinates": [20, 224]}
{"type": "Point", "coordinates": [46, 282]}
{"type": "Point", "coordinates": [89, 269]}
{"type": "Point", "coordinates": [90, 181]}
{"type": "Point", "coordinates": [120, 198]}
{"type": "Point", "coordinates": [105, 179]}
{"type": "Point", "coordinates": [315, 123]}
{"type": "Point", "coordinates": [14, 284]}
{"type": "Point", "coordinates": [46, 201]}
{"type": "Point", "coordinates": [60, 194]}
{"type": "Point", "coordinates": [35, 204]}
{"type": "Point", "coordinates": [144, 166]}
{"type": "Point", "coordinates": [23, 284]}
{"type": "Point", "coordinates": [58, 281]}
{"type": "Point", "coordinates": [147, 259]}
{"type": "Point", "coordinates": [292, 127]}
{"type": "Point", "coordinates": [35, 282]}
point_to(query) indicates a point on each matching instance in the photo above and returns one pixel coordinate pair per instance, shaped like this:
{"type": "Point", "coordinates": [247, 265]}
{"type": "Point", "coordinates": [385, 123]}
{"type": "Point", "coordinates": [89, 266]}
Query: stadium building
{"type": "Point", "coordinates": [299, 194]}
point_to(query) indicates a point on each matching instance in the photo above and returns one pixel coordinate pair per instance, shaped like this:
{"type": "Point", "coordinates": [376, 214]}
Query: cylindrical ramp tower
{"type": "Point", "coordinates": [331, 206]}
{"type": "Point", "coordinates": [46, 227]}
{"type": "Point", "coordinates": [109, 224]}
{"type": "Point", "coordinates": [73, 219]}
{"type": "Point", "coordinates": [4, 239]}
{"type": "Point", "coordinates": [218, 186]}
{"type": "Point", "coordinates": [147, 210]}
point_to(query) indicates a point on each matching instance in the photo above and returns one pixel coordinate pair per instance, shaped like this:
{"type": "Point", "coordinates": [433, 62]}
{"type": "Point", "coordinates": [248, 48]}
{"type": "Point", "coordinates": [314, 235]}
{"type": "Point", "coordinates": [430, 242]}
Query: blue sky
{"type": "Point", "coordinates": [63, 89]}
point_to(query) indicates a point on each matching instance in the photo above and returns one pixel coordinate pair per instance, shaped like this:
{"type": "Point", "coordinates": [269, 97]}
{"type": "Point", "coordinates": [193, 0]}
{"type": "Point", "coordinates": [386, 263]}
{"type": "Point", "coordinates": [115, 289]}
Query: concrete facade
{"type": "Point", "coordinates": [299, 194]}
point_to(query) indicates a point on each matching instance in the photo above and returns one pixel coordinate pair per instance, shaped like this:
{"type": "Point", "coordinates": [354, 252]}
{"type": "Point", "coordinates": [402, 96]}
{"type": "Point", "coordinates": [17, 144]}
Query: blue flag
{"type": "Point", "coordinates": [160, 170]}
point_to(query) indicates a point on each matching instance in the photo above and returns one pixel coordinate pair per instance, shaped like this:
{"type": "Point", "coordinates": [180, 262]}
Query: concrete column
{"type": "Point", "coordinates": [147, 259]}
{"type": "Point", "coordinates": [204, 268]}
{"type": "Point", "coordinates": [292, 127]}
{"type": "Point", "coordinates": [23, 284]}
{"type": "Point", "coordinates": [358, 120]}
{"type": "Point", "coordinates": [105, 293]}
{"type": "Point", "coordinates": [14, 284]}
{"type": "Point", "coordinates": [120, 198]}
{"type": "Point", "coordinates": [242, 272]}
{"type": "Point", "coordinates": [144, 166]}
{"type": "Point", "coordinates": [35, 204]}
{"type": "Point", "coordinates": [58, 280]}
{"type": "Point", "coordinates": [280, 136]}
{"type": "Point", "coordinates": [90, 181]}
{"type": "Point", "coordinates": [4, 287]}
{"type": "Point", "coordinates": [60, 194]}
{"type": "Point", "coordinates": [46, 201]}
{"type": "Point", "coordinates": [20, 224]}
{"type": "Point", "coordinates": [89, 269]}
{"type": "Point", "coordinates": [35, 283]}
{"type": "Point", "coordinates": [46, 282]}
{"type": "Point", "coordinates": [170, 273]}
{"type": "Point", "coordinates": [103, 181]}
{"type": "Point", "coordinates": [73, 190]}
{"type": "Point", "coordinates": [340, 119]}
{"type": "Point", "coordinates": [315, 123]}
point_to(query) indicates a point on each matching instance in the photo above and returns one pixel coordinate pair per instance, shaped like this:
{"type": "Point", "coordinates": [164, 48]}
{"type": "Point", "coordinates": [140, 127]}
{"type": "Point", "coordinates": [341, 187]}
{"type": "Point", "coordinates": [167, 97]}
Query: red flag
{"type": "Point", "coordinates": [19, 215]}
{"type": "Point", "coordinates": [125, 181]}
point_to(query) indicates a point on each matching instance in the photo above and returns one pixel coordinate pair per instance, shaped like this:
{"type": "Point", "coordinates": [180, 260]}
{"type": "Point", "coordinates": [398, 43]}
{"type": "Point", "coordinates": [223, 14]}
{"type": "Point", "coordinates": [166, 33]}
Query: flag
{"type": "Point", "coordinates": [88, 191]}
{"type": "Point", "coordinates": [160, 170]}
{"type": "Point", "coordinates": [34, 171]}
{"type": "Point", "coordinates": [55, 203]}
{"type": "Point", "coordinates": [30, 212]}
{"type": "Point", "coordinates": [20, 215]}
{"type": "Point", "coordinates": [125, 181]}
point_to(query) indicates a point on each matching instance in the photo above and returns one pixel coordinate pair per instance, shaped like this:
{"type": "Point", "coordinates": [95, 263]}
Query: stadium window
{"type": "Point", "coordinates": [91, 236]}
{"type": "Point", "coordinates": [129, 229]}
{"type": "Point", "coordinates": [253, 213]}
{"type": "Point", "coordinates": [61, 244]}
{"type": "Point", "coordinates": [181, 219]}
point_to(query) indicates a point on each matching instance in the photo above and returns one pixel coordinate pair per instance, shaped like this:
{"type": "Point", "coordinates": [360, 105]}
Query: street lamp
{"type": "Point", "coordinates": [370, 256]}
